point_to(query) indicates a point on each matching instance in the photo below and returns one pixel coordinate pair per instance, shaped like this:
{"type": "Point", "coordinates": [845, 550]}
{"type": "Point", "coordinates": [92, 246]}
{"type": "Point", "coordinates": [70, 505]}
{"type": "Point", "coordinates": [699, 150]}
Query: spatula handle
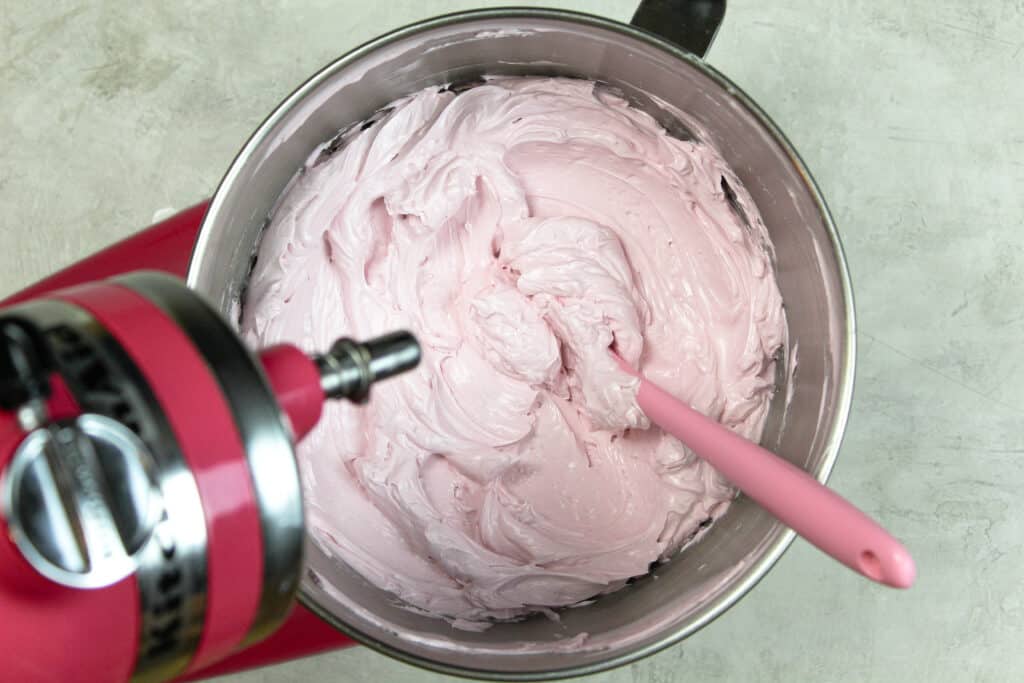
{"type": "Point", "coordinates": [795, 498]}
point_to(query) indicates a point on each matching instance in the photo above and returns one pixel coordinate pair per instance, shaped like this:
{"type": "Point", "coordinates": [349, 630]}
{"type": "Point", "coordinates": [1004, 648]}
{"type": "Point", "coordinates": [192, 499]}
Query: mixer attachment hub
{"type": "Point", "coordinates": [350, 368]}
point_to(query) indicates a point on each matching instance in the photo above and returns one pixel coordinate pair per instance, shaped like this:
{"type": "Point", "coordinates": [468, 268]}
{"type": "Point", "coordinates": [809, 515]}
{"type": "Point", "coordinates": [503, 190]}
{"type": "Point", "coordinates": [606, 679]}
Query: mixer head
{"type": "Point", "coordinates": [146, 458]}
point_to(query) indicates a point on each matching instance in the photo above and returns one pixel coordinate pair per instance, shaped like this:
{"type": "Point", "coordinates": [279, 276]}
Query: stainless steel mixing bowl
{"type": "Point", "coordinates": [807, 418]}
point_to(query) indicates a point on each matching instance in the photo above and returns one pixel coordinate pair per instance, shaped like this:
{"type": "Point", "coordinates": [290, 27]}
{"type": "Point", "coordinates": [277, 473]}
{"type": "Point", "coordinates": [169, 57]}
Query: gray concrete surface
{"type": "Point", "coordinates": [909, 113]}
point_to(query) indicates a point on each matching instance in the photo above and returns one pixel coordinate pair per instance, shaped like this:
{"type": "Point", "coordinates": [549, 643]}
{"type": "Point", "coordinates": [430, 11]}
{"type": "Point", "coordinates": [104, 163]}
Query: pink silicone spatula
{"type": "Point", "coordinates": [794, 497]}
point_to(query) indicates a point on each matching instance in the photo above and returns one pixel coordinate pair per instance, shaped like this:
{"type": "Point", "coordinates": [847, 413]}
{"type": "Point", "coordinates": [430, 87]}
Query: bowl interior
{"type": "Point", "coordinates": [806, 419]}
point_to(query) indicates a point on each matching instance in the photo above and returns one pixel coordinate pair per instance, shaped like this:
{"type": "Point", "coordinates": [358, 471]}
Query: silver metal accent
{"type": "Point", "coordinates": [81, 501]}
{"type": "Point", "coordinates": [171, 567]}
{"type": "Point", "coordinates": [265, 436]}
{"type": "Point", "coordinates": [31, 415]}
{"type": "Point", "coordinates": [740, 548]}
{"type": "Point", "coordinates": [350, 368]}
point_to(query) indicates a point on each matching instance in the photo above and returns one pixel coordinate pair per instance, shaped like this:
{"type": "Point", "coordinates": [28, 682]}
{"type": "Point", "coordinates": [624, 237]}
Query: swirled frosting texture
{"type": "Point", "coordinates": [519, 229]}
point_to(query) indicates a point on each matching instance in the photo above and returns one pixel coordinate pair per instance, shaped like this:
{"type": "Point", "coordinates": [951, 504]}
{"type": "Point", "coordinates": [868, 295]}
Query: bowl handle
{"type": "Point", "coordinates": [690, 24]}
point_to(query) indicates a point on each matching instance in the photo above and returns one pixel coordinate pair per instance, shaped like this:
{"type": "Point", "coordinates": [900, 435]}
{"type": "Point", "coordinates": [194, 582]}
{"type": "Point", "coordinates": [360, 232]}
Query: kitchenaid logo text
{"type": "Point", "coordinates": [164, 621]}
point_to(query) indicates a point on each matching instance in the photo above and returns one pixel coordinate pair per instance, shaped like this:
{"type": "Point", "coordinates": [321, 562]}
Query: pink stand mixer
{"type": "Point", "coordinates": [149, 494]}
{"type": "Point", "coordinates": [149, 487]}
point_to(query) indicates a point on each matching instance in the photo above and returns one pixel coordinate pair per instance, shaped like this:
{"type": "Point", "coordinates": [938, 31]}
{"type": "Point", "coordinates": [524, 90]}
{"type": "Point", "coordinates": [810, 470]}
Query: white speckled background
{"type": "Point", "coordinates": [911, 116]}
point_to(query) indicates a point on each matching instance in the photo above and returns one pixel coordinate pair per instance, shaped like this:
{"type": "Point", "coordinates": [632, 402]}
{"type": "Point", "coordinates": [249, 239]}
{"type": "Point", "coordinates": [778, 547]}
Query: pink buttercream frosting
{"type": "Point", "coordinates": [519, 229]}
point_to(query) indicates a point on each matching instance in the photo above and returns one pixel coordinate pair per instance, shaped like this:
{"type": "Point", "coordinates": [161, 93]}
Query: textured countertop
{"type": "Point", "coordinates": [908, 113]}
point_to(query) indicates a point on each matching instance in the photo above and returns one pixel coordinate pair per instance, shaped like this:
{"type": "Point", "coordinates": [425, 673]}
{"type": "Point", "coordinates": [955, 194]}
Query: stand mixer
{"type": "Point", "coordinates": [149, 495]}
{"type": "Point", "coordinates": [237, 481]}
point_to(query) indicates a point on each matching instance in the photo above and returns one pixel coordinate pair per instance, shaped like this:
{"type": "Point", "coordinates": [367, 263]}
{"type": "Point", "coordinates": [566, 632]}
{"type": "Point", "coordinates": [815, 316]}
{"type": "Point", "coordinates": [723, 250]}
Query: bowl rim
{"type": "Point", "coordinates": [751, 575]}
